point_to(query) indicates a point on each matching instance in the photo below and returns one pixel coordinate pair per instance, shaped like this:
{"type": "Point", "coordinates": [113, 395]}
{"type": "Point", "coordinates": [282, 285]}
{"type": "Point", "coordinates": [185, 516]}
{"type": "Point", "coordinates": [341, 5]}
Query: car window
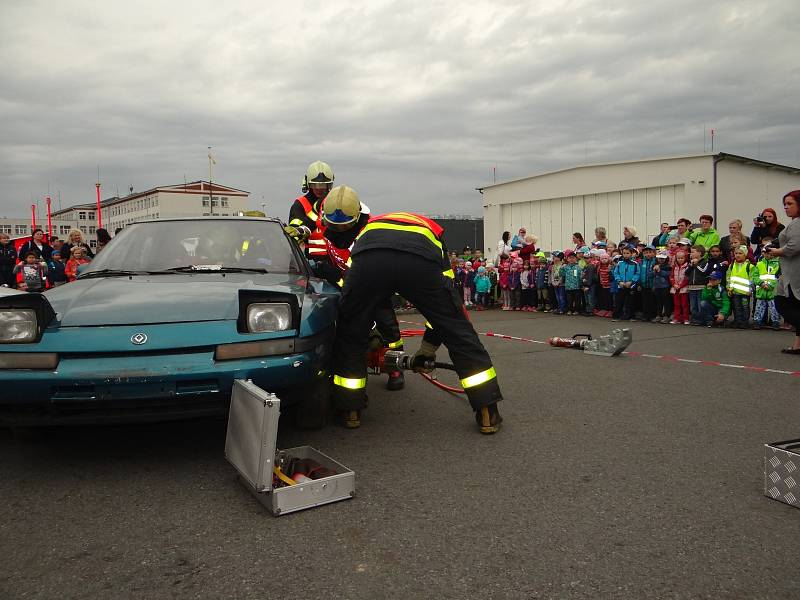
{"type": "Point", "coordinates": [161, 245]}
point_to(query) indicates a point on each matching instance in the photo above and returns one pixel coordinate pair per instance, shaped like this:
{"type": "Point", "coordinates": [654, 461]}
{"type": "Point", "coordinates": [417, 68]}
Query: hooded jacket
{"type": "Point", "coordinates": [706, 239]}
{"type": "Point", "coordinates": [718, 298]}
{"type": "Point", "coordinates": [679, 278]}
{"type": "Point", "coordinates": [661, 278]}
{"type": "Point", "coordinates": [626, 271]}
{"type": "Point", "coordinates": [646, 274]}
{"type": "Point", "coordinates": [766, 272]}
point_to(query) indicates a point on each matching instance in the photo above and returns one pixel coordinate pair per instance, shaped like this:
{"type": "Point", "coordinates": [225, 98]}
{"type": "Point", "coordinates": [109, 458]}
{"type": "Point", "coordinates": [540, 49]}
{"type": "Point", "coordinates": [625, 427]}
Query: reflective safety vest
{"type": "Point", "coordinates": [315, 244]}
{"type": "Point", "coordinates": [739, 278]}
{"type": "Point", "coordinates": [766, 272]}
{"type": "Point", "coordinates": [407, 231]}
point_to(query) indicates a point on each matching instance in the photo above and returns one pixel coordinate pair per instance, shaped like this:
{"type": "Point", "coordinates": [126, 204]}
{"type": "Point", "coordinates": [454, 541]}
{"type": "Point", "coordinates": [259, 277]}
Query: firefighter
{"type": "Point", "coordinates": [340, 229]}
{"type": "Point", "coordinates": [306, 223]}
{"type": "Point", "coordinates": [304, 215]}
{"type": "Point", "coordinates": [403, 253]}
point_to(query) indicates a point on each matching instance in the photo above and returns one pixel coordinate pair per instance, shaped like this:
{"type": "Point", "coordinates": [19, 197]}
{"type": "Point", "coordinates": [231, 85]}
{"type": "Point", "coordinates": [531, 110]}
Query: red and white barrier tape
{"type": "Point", "coordinates": [666, 357]}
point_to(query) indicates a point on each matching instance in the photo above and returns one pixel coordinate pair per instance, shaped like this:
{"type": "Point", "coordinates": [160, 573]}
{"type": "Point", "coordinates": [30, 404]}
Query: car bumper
{"type": "Point", "coordinates": [161, 386]}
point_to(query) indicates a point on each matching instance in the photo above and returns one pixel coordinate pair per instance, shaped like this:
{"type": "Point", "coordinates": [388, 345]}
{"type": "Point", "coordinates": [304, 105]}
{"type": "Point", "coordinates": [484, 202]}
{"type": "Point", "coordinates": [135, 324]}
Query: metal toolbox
{"type": "Point", "coordinates": [782, 472]}
{"type": "Point", "coordinates": [250, 446]}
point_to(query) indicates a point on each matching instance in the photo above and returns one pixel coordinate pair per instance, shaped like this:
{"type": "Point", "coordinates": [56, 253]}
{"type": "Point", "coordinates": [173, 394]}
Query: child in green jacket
{"type": "Point", "coordinates": [765, 280]}
{"type": "Point", "coordinates": [714, 303]}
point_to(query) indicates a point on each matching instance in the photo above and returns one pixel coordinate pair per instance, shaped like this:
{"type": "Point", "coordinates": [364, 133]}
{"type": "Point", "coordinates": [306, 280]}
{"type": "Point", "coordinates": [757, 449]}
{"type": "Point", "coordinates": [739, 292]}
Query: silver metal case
{"type": "Point", "coordinates": [782, 472]}
{"type": "Point", "coordinates": [250, 446]}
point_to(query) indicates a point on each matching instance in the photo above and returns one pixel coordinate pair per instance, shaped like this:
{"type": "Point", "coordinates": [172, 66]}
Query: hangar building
{"type": "Point", "coordinates": [641, 193]}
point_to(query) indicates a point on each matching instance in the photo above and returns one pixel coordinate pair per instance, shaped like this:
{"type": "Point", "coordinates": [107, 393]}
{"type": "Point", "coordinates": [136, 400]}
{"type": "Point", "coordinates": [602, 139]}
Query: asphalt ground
{"type": "Point", "coordinates": [628, 477]}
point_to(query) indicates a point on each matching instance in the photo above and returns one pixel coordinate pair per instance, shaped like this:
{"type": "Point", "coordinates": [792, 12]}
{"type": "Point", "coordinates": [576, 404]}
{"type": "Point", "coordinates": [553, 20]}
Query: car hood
{"type": "Point", "coordinates": [176, 298]}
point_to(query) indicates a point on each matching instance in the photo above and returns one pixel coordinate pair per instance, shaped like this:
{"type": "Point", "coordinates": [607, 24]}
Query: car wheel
{"type": "Point", "coordinates": [313, 405]}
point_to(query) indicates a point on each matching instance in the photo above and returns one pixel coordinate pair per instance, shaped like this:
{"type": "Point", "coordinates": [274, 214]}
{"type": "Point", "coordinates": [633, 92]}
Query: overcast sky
{"type": "Point", "coordinates": [413, 103]}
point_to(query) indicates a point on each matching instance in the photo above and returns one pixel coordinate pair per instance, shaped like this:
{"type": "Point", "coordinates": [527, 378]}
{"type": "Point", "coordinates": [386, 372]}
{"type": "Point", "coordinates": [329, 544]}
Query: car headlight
{"type": "Point", "coordinates": [18, 326]}
{"type": "Point", "coordinates": [268, 317]}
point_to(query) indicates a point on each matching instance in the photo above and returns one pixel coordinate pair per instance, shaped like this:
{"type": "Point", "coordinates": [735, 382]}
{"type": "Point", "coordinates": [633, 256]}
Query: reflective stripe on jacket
{"type": "Point", "coordinates": [406, 232]}
{"type": "Point", "coordinates": [739, 278]}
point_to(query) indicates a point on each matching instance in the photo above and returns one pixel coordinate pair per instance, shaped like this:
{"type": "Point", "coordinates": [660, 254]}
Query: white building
{"type": "Point", "coordinates": [186, 200]}
{"type": "Point", "coordinates": [198, 198]}
{"type": "Point", "coordinates": [640, 193]}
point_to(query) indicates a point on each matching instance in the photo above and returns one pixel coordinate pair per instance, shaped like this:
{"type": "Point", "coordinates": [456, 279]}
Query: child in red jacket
{"type": "Point", "coordinates": [680, 290]}
{"type": "Point", "coordinates": [73, 263]}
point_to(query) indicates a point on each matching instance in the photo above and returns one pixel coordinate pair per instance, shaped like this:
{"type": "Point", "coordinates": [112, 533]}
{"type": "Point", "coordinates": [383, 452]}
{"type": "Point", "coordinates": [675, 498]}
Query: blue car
{"type": "Point", "coordinates": [163, 320]}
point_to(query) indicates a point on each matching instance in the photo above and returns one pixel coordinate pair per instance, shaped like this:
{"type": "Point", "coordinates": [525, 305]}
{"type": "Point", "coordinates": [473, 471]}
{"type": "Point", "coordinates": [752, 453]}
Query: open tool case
{"type": "Point", "coordinates": [250, 446]}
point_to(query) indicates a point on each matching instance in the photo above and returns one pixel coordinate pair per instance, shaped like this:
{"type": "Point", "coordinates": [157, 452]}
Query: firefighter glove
{"type": "Point", "coordinates": [299, 233]}
{"type": "Point", "coordinates": [425, 354]}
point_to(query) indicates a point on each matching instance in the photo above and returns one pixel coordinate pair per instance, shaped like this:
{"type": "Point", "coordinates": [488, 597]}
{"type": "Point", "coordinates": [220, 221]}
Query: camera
{"type": "Point", "coordinates": [760, 220]}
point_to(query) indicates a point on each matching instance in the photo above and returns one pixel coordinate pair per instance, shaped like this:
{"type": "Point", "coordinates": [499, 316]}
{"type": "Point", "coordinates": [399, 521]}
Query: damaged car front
{"type": "Point", "coordinates": [163, 321]}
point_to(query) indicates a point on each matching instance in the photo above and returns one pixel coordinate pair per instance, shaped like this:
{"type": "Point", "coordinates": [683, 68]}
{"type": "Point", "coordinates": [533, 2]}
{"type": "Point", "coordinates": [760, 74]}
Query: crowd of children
{"type": "Point", "coordinates": [36, 271]}
{"type": "Point", "coordinates": [679, 283]}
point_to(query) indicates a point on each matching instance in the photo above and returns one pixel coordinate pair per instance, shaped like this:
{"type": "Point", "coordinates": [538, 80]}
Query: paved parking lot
{"type": "Point", "coordinates": [633, 477]}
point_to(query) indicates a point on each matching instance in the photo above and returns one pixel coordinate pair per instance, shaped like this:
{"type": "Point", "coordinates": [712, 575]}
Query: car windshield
{"type": "Point", "coordinates": [197, 245]}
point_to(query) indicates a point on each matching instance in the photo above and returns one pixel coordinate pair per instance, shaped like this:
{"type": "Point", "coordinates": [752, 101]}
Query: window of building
{"type": "Point", "coordinates": [93, 243]}
{"type": "Point", "coordinates": [224, 201]}
{"type": "Point", "coordinates": [83, 228]}
{"type": "Point", "coordinates": [82, 216]}
{"type": "Point", "coordinates": [92, 229]}
{"type": "Point", "coordinates": [215, 201]}
{"type": "Point", "coordinates": [64, 230]}
{"type": "Point", "coordinates": [5, 229]}
{"type": "Point", "coordinates": [205, 214]}
{"type": "Point", "coordinates": [205, 201]}
{"type": "Point", "coordinates": [20, 229]}
{"type": "Point", "coordinates": [91, 216]}
{"type": "Point", "coordinates": [156, 200]}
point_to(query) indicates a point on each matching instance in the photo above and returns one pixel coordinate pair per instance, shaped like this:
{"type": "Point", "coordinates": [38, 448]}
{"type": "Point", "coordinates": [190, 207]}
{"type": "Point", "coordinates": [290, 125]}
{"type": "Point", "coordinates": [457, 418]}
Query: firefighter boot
{"type": "Point", "coordinates": [396, 381]}
{"type": "Point", "coordinates": [351, 419]}
{"type": "Point", "coordinates": [488, 418]}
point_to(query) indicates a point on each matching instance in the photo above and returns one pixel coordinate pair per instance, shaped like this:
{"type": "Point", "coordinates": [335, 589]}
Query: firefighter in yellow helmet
{"type": "Point", "coordinates": [343, 216]}
{"type": "Point", "coordinates": [402, 253]}
{"type": "Point", "coordinates": [305, 212]}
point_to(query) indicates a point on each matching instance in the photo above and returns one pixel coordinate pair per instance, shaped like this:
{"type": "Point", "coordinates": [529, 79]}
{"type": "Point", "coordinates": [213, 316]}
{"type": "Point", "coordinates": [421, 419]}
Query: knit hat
{"type": "Point", "coordinates": [481, 269]}
{"type": "Point", "coordinates": [468, 264]}
{"type": "Point", "coordinates": [717, 275]}
{"type": "Point", "coordinates": [742, 249]}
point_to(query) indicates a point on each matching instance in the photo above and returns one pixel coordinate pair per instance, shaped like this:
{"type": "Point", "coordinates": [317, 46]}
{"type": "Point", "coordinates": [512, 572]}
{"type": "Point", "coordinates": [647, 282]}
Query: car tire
{"type": "Point", "coordinates": [313, 405]}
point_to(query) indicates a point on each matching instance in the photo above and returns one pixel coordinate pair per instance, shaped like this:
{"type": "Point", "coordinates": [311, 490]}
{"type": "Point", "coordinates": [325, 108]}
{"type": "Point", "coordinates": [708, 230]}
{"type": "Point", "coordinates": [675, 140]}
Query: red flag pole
{"type": "Point", "coordinates": [99, 216]}
{"type": "Point", "coordinates": [33, 217]}
{"type": "Point", "coordinates": [49, 219]}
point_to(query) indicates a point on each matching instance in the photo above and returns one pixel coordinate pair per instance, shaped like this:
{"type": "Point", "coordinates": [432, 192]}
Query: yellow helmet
{"type": "Point", "coordinates": [342, 208]}
{"type": "Point", "coordinates": [320, 173]}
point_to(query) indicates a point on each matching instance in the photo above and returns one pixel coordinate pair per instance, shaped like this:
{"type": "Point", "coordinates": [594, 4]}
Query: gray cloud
{"type": "Point", "coordinates": [412, 103]}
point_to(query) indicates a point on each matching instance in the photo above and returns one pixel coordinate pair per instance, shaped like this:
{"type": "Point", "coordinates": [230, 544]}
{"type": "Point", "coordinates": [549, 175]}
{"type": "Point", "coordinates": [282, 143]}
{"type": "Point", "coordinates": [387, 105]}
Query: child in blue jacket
{"type": "Point", "coordinates": [626, 274]}
{"type": "Point", "coordinates": [661, 287]}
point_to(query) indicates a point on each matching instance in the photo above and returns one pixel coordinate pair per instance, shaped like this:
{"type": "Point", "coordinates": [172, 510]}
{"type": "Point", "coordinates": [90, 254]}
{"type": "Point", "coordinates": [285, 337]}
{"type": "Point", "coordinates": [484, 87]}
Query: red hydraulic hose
{"type": "Point", "coordinates": [440, 385]}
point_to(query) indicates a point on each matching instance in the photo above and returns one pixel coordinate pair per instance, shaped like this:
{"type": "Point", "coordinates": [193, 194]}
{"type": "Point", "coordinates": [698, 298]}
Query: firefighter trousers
{"type": "Point", "coordinates": [384, 316]}
{"type": "Point", "coordinates": [374, 276]}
